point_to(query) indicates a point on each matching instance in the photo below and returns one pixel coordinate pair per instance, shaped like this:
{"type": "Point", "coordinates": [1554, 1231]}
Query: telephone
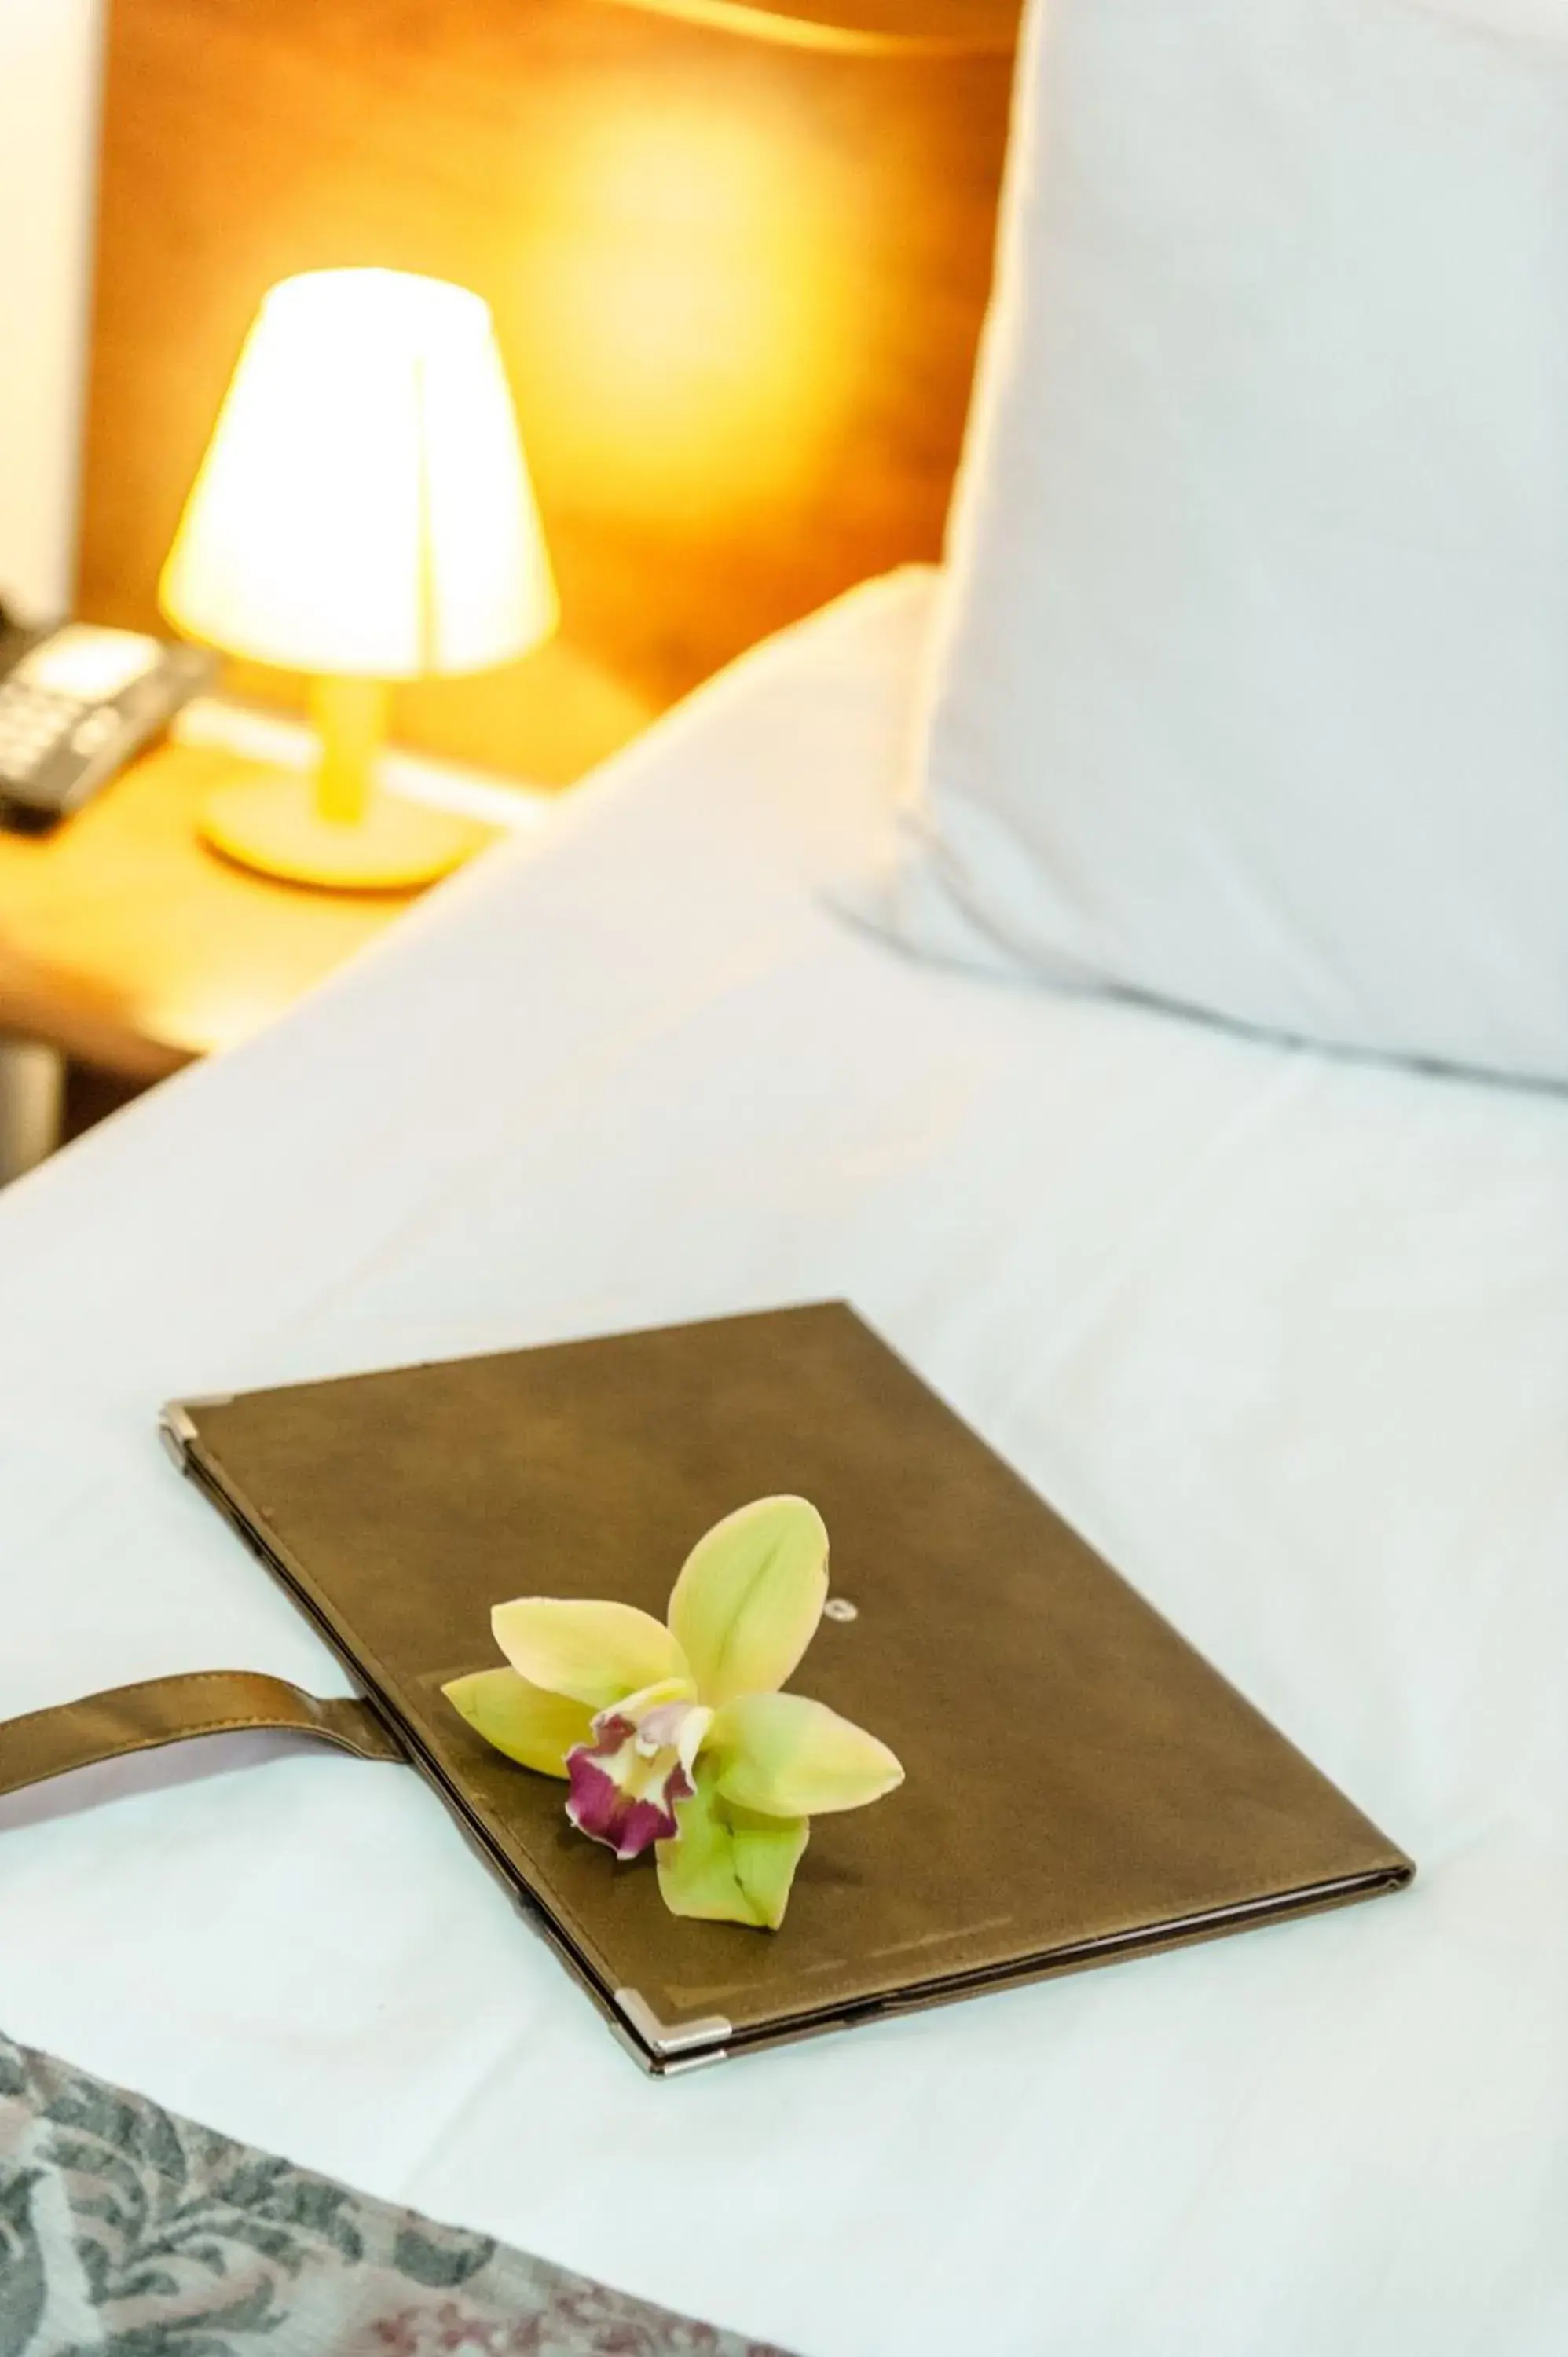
{"type": "Point", "coordinates": [76, 704]}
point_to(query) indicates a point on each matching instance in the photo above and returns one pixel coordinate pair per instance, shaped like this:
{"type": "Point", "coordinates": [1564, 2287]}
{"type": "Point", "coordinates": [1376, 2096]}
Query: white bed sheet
{"type": "Point", "coordinates": [1287, 1336]}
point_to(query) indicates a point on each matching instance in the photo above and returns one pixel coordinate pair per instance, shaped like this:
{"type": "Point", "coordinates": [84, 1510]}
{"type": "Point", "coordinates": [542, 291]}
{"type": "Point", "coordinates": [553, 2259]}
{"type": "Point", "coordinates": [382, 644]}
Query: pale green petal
{"type": "Point", "coordinates": [792, 1758]}
{"type": "Point", "coordinates": [524, 1721]}
{"type": "Point", "coordinates": [697, 1873]}
{"type": "Point", "coordinates": [598, 1654]}
{"type": "Point", "coordinates": [766, 1852]}
{"type": "Point", "coordinates": [728, 1866]}
{"type": "Point", "coordinates": [749, 1596]}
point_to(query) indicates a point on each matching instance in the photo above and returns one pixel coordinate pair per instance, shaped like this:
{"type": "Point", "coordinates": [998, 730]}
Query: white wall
{"type": "Point", "coordinates": [49, 109]}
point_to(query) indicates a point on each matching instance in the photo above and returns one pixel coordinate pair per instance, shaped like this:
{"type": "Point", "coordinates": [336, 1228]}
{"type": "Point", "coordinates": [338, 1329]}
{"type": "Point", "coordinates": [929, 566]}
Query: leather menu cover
{"type": "Point", "coordinates": [1080, 1784]}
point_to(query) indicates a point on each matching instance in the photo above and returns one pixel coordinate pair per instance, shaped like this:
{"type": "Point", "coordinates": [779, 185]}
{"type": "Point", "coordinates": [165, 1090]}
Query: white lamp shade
{"type": "Point", "coordinates": [364, 508]}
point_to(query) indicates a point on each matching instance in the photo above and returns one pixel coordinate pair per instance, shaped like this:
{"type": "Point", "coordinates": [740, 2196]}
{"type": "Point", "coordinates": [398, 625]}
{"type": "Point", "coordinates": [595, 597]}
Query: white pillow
{"type": "Point", "coordinates": [1251, 686]}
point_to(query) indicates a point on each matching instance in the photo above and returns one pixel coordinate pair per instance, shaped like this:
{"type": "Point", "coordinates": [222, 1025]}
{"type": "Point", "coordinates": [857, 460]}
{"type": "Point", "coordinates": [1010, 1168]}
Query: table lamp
{"type": "Point", "coordinates": [363, 514]}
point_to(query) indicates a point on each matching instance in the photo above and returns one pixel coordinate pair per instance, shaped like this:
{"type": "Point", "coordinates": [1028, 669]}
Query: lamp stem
{"type": "Point", "coordinates": [350, 718]}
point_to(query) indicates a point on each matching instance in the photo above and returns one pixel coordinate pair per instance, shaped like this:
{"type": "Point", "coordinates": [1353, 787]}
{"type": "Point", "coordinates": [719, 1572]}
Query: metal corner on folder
{"type": "Point", "coordinates": [666, 2040]}
{"type": "Point", "coordinates": [175, 1429]}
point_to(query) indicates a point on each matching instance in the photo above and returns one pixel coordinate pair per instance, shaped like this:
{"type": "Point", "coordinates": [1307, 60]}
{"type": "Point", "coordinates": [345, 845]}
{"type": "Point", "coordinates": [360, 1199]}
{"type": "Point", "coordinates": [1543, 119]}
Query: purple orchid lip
{"type": "Point", "coordinates": [628, 1822]}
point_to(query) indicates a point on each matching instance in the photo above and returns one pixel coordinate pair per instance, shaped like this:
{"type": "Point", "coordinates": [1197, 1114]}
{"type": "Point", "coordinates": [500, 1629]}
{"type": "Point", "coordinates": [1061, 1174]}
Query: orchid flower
{"type": "Point", "coordinates": [673, 1736]}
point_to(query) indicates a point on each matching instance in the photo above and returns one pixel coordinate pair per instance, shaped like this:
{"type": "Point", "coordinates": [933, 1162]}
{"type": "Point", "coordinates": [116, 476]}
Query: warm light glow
{"type": "Point", "coordinates": [364, 508]}
{"type": "Point", "coordinates": [699, 307]}
{"type": "Point", "coordinates": [755, 20]}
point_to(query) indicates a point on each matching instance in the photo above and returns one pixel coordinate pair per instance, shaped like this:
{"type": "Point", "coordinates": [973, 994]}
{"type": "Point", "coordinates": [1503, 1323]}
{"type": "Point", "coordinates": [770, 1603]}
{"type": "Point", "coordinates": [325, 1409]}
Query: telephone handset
{"type": "Point", "coordinates": [78, 703]}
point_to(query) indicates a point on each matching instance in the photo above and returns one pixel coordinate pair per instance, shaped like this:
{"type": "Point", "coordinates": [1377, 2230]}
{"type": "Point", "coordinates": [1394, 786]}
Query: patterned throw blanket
{"type": "Point", "coordinates": [126, 2232]}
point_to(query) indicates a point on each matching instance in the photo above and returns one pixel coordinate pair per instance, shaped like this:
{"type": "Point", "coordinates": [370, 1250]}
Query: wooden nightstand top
{"type": "Point", "coordinates": [127, 942]}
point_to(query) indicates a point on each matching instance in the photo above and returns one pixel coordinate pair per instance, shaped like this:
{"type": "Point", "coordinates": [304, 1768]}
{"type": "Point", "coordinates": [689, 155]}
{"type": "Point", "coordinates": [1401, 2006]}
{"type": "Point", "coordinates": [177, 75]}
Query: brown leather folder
{"type": "Point", "coordinates": [1080, 1784]}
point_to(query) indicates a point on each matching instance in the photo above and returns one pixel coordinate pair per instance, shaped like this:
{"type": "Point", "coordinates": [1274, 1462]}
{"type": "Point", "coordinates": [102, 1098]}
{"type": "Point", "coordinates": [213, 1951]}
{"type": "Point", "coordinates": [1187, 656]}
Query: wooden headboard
{"type": "Point", "coordinates": [738, 283]}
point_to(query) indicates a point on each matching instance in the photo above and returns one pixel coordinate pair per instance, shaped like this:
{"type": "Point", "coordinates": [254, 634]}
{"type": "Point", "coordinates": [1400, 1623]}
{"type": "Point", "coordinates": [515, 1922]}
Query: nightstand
{"type": "Point", "coordinates": [126, 944]}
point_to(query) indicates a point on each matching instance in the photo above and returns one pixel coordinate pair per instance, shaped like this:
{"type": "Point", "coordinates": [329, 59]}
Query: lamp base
{"type": "Point", "coordinates": [269, 820]}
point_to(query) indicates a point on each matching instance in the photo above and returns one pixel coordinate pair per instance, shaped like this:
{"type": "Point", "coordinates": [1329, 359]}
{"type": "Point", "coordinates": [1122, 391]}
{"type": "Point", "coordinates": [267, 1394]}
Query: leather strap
{"type": "Point", "coordinates": [173, 1710]}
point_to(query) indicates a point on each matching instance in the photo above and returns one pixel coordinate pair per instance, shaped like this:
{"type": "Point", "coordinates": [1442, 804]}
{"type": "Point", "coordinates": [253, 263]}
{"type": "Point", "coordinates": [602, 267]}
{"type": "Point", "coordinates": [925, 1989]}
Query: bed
{"type": "Point", "coordinates": [1283, 1332]}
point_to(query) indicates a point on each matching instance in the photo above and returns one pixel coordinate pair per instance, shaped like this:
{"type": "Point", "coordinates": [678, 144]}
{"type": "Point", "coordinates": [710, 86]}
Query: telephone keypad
{"type": "Point", "coordinates": [57, 746]}
{"type": "Point", "coordinates": [32, 724]}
